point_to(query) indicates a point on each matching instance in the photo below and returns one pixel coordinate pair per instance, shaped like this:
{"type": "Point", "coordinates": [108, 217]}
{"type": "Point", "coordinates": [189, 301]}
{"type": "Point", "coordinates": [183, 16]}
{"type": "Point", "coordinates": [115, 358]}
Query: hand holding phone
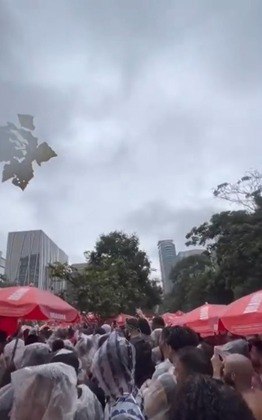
{"type": "Point", "coordinates": [217, 363]}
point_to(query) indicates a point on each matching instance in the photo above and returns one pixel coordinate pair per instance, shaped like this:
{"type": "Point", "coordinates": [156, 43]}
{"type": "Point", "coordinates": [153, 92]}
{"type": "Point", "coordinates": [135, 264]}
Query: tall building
{"type": "Point", "coordinates": [28, 256]}
{"type": "Point", "coordinates": [80, 267]}
{"type": "Point", "coordinates": [2, 264]}
{"type": "Point", "coordinates": [167, 258]}
{"type": "Point", "coordinates": [189, 253]}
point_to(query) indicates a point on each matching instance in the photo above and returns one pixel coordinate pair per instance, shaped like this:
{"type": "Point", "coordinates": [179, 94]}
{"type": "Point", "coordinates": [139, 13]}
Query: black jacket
{"type": "Point", "coordinates": [145, 367]}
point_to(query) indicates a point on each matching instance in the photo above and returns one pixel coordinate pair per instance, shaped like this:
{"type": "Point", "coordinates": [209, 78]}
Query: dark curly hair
{"type": "Point", "coordinates": [158, 322]}
{"type": "Point", "coordinates": [203, 398]}
{"type": "Point", "coordinates": [194, 361]}
{"type": "Point", "coordinates": [144, 326]}
{"type": "Point", "coordinates": [58, 344]}
{"type": "Point", "coordinates": [257, 344]}
{"type": "Point", "coordinates": [207, 349]}
{"type": "Point", "coordinates": [178, 337]}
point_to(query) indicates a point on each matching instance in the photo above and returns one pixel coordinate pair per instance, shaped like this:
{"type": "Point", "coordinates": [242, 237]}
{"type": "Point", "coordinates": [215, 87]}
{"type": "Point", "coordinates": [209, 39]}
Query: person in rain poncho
{"type": "Point", "coordinates": [13, 352]}
{"type": "Point", "coordinates": [86, 348]}
{"type": "Point", "coordinates": [113, 367]}
{"type": "Point", "coordinates": [33, 355]}
{"type": "Point", "coordinates": [6, 401]}
{"type": "Point", "coordinates": [46, 392]}
{"type": "Point", "coordinates": [106, 328]}
{"type": "Point", "coordinates": [88, 406]}
{"type": "Point", "coordinates": [158, 397]}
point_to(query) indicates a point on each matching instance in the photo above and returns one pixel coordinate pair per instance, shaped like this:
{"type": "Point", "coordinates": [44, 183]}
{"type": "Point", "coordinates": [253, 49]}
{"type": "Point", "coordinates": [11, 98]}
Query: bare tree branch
{"type": "Point", "coordinates": [244, 192]}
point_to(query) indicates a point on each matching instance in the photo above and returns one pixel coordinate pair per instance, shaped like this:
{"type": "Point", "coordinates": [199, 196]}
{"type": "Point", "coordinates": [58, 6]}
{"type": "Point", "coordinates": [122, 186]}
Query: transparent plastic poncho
{"type": "Point", "coordinates": [13, 352]}
{"type": "Point", "coordinates": [88, 406]}
{"type": "Point", "coordinates": [35, 354]}
{"type": "Point", "coordinates": [6, 401]}
{"type": "Point", "coordinates": [86, 348]}
{"type": "Point", "coordinates": [158, 396]}
{"type": "Point", "coordinates": [46, 392]}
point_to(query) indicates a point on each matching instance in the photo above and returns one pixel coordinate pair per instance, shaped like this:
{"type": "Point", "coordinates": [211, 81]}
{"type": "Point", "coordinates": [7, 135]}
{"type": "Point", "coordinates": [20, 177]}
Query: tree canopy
{"type": "Point", "coordinates": [196, 282]}
{"type": "Point", "coordinates": [234, 238]}
{"type": "Point", "coordinates": [116, 278]}
{"type": "Point", "coordinates": [231, 265]}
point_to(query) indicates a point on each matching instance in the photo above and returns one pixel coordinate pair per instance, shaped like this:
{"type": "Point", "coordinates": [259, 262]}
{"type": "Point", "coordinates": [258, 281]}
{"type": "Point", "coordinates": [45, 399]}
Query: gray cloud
{"type": "Point", "coordinates": [148, 105]}
{"type": "Point", "coordinates": [157, 220]}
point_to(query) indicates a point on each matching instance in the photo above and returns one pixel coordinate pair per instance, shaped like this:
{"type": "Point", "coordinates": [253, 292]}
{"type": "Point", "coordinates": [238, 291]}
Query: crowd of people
{"type": "Point", "coordinates": [144, 370]}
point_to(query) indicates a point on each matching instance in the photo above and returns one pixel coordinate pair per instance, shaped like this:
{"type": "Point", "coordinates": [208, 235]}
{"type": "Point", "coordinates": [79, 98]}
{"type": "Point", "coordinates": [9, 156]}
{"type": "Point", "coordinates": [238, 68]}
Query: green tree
{"type": "Point", "coordinates": [115, 280]}
{"type": "Point", "coordinates": [231, 265]}
{"type": "Point", "coordinates": [3, 281]}
{"type": "Point", "coordinates": [195, 283]}
{"type": "Point", "coordinates": [234, 238]}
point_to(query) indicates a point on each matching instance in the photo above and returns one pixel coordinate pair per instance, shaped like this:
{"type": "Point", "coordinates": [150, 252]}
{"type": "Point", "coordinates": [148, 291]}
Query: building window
{"type": "Point", "coordinates": [29, 270]}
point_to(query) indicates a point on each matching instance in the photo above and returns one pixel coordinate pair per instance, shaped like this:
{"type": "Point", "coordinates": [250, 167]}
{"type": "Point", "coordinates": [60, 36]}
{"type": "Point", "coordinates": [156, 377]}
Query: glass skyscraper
{"type": "Point", "coordinates": [167, 259]}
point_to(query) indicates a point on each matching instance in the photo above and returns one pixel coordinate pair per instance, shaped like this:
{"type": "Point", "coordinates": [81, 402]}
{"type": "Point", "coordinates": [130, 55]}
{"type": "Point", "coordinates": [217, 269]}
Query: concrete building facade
{"type": "Point", "coordinates": [167, 259]}
{"type": "Point", "coordinates": [80, 267]}
{"type": "Point", "coordinates": [189, 253]}
{"type": "Point", "coordinates": [2, 264]}
{"type": "Point", "coordinates": [28, 256]}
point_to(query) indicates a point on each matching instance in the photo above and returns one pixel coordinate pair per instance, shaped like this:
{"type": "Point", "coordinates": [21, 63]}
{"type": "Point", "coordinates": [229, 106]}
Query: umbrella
{"type": "Point", "coordinates": [34, 304]}
{"type": "Point", "coordinates": [8, 325]}
{"type": "Point", "coordinates": [244, 316]}
{"type": "Point", "coordinates": [204, 320]}
{"type": "Point", "coordinates": [173, 318]}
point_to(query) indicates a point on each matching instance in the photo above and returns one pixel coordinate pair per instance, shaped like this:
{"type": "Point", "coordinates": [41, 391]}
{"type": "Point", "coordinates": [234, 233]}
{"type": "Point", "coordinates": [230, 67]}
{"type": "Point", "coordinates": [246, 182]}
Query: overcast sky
{"type": "Point", "coordinates": [148, 104]}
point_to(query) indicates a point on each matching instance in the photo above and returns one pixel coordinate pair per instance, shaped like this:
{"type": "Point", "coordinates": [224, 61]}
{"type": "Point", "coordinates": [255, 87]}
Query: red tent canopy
{"type": "Point", "coordinates": [244, 316]}
{"type": "Point", "coordinates": [35, 304]}
{"type": "Point", "coordinates": [204, 320]}
{"type": "Point", "coordinates": [9, 325]}
{"type": "Point", "coordinates": [173, 318]}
